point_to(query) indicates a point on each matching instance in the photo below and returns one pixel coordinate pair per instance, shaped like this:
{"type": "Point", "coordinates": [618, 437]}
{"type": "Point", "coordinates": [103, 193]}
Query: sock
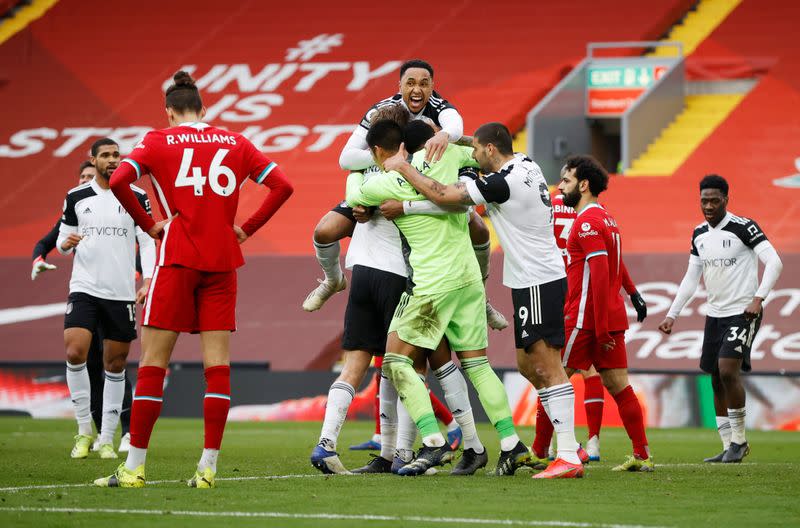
{"type": "Point", "coordinates": [216, 403]}
{"type": "Point", "coordinates": [406, 429]}
{"type": "Point", "coordinates": [147, 400]}
{"type": "Point", "coordinates": [414, 395]}
{"type": "Point", "coordinates": [208, 460]}
{"type": "Point", "coordinates": [388, 418]}
{"type": "Point", "coordinates": [724, 430]}
{"type": "Point", "coordinates": [339, 398]}
{"type": "Point", "coordinates": [561, 410]}
{"type": "Point", "coordinates": [455, 393]}
{"type": "Point", "coordinates": [736, 417]}
{"type": "Point", "coordinates": [544, 427]}
{"type": "Point", "coordinates": [377, 406]}
{"type": "Point", "coordinates": [440, 410]}
{"type": "Point", "coordinates": [482, 253]}
{"type": "Point", "coordinates": [79, 390]}
{"type": "Point", "coordinates": [125, 415]}
{"type": "Point", "coordinates": [631, 413]}
{"type": "Point", "coordinates": [113, 392]}
{"type": "Point", "coordinates": [593, 402]}
{"type": "Point", "coordinates": [493, 398]}
{"type": "Point", "coordinates": [328, 258]}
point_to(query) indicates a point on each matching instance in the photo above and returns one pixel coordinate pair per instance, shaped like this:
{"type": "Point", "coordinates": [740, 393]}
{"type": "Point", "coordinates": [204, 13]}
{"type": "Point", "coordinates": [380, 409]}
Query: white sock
{"type": "Point", "coordinates": [452, 426]}
{"type": "Point", "coordinates": [388, 417]}
{"type": "Point", "coordinates": [508, 443]}
{"type": "Point", "coordinates": [561, 410]}
{"type": "Point", "coordinates": [457, 397]}
{"type": "Point", "coordinates": [406, 428]}
{"type": "Point", "coordinates": [208, 460]}
{"type": "Point", "coordinates": [79, 392]}
{"type": "Point", "coordinates": [328, 258]}
{"type": "Point", "coordinates": [339, 397]}
{"type": "Point", "coordinates": [483, 252]}
{"type": "Point", "coordinates": [113, 392]}
{"type": "Point", "coordinates": [736, 417]}
{"type": "Point", "coordinates": [724, 430]}
{"type": "Point", "coordinates": [136, 457]}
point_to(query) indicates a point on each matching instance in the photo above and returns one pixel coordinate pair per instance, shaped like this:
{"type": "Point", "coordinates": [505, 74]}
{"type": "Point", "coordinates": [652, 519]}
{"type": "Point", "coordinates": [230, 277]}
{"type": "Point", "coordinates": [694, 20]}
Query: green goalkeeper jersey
{"type": "Point", "coordinates": [437, 249]}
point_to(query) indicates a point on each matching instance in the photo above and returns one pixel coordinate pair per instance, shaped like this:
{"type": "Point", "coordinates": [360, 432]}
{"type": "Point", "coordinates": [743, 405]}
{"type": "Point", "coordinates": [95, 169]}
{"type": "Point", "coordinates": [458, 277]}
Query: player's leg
{"type": "Point", "coordinates": [125, 417]}
{"type": "Point", "coordinates": [94, 366]}
{"type": "Point", "coordinates": [406, 427]}
{"type": "Point", "coordinates": [630, 411]}
{"type": "Point", "coordinates": [713, 334]}
{"type": "Point", "coordinates": [593, 403]}
{"type": "Point", "coordinates": [79, 321]}
{"type": "Point", "coordinates": [481, 244]}
{"type": "Point", "coordinates": [374, 443]}
{"type": "Point", "coordinates": [335, 225]}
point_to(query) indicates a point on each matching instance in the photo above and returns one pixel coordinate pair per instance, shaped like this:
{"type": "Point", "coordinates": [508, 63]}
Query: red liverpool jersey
{"type": "Point", "coordinates": [595, 235]}
{"type": "Point", "coordinates": [563, 217]}
{"type": "Point", "coordinates": [197, 171]}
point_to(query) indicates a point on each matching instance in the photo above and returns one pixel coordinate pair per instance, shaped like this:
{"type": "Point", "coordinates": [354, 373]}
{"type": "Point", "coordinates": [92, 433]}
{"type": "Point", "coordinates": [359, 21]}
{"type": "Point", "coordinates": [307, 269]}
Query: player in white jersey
{"type": "Point", "coordinates": [725, 250]}
{"type": "Point", "coordinates": [419, 98]}
{"type": "Point", "coordinates": [379, 278]}
{"type": "Point", "coordinates": [518, 203]}
{"type": "Point", "coordinates": [102, 292]}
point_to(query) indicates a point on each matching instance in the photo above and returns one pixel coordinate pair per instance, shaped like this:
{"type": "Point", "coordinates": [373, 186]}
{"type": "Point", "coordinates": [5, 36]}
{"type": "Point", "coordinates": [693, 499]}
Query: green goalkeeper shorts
{"type": "Point", "coordinates": [459, 315]}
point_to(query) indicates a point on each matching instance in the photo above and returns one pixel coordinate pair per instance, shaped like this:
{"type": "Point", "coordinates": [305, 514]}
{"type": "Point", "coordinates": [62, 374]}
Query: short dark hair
{"type": "Point", "coordinates": [385, 134]}
{"type": "Point", "coordinates": [588, 168]}
{"type": "Point", "coordinates": [83, 165]}
{"type": "Point", "coordinates": [714, 181]}
{"type": "Point", "coordinates": [416, 134]}
{"type": "Point", "coordinates": [101, 143]}
{"type": "Point", "coordinates": [182, 94]}
{"type": "Point", "coordinates": [498, 135]}
{"type": "Point", "coordinates": [393, 112]}
{"type": "Point", "coordinates": [415, 63]}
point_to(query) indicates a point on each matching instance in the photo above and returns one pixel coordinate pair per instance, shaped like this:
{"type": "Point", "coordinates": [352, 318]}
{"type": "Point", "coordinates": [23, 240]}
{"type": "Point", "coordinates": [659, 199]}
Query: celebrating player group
{"type": "Point", "coordinates": [419, 257]}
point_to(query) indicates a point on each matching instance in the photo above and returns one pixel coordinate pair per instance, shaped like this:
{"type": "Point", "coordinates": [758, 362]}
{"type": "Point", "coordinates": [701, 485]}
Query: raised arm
{"type": "Point", "coordinates": [356, 155]}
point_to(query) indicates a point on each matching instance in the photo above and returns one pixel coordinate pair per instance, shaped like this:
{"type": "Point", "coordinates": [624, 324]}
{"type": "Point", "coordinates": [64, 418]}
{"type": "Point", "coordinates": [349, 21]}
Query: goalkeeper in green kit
{"type": "Point", "coordinates": [444, 298]}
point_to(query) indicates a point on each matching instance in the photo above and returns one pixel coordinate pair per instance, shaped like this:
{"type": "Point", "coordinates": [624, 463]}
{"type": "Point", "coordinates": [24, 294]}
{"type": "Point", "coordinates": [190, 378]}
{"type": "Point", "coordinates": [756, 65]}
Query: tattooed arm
{"type": "Point", "coordinates": [434, 191]}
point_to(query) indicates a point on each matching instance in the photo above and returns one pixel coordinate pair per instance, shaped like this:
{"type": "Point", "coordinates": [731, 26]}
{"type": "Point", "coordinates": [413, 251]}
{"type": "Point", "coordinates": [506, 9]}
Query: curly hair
{"type": "Point", "coordinates": [588, 168]}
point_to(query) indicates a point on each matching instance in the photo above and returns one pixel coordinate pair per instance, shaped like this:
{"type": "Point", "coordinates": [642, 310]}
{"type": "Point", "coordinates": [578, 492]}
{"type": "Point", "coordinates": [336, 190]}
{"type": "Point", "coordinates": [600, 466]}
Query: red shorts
{"type": "Point", "coordinates": [188, 300]}
{"type": "Point", "coordinates": [582, 351]}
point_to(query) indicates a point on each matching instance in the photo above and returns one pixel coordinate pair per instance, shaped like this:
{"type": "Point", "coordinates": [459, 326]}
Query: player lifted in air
{"type": "Point", "coordinates": [725, 250]}
{"type": "Point", "coordinates": [418, 96]}
{"type": "Point", "coordinates": [197, 171]}
{"type": "Point", "coordinates": [102, 291]}
{"type": "Point", "coordinates": [445, 298]}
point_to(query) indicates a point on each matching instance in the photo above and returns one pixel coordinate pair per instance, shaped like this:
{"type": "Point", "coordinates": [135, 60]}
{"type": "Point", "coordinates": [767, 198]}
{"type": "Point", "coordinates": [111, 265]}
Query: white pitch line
{"type": "Point", "coordinates": [326, 517]}
{"type": "Point", "coordinates": [13, 489]}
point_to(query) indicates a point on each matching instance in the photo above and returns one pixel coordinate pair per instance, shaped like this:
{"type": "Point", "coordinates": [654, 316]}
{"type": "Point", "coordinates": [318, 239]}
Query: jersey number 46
{"type": "Point", "coordinates": [215, 171]}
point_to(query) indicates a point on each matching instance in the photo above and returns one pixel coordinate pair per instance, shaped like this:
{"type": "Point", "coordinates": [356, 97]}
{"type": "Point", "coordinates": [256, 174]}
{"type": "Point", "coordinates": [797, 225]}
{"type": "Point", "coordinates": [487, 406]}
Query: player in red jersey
{"type": "Point", "coordinates": [197, 171]}
{"type": "Point", "coordinates": [594, 315]}
{"type": "Point", "coordinates": [593, 397]}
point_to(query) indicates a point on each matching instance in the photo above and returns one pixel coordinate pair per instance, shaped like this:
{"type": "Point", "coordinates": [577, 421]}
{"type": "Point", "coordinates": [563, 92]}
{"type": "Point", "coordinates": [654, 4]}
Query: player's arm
{"type": "Point", "coordinates": [356, 155]}
{"type": "Point", "coordinates": [630, 288]}
{"type": "Point", "coordinates": [597, 261]}
{"type": "Point", "coordinates": [391, 209]}
{"type": "Point", "coordinates": [452, 129]}
{"type": "Point", "coordinates": [685, 291]}
{"type": "Point", "coordinates": [42, 248]}
{"type": "Point", "coordinates": [437, 192]}
{"type": "Point", "coordinates": [754, 238]}
{"type": "Point", "coordinates": [68, 236]}
{"type": "Point", "coordinates": [128, 172]}
{"type": "Point", "coordinates": [266, 172]}
{"type": "Point", "coordinates": [147, 246]}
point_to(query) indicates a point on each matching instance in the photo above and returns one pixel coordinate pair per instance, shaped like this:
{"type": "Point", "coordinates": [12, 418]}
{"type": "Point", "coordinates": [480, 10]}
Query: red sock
{"type": "Point", "coordinates": [146, 404]}
{"type": "Point", "coordinates": [593, 402]}
{"type": "Point", "coordinates": [216, 404]}
{"type": "Point", "coordinates": [440, 410]}
{"type": "Point", "coordinates": [631, 413]}
{"type": "Point", "coordinates": [378, 403]}
{"type": "Point", "coordinates": [544, 432]}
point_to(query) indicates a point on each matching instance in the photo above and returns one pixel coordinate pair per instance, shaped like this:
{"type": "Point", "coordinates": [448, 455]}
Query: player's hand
{"type": "Point", "coordinates": [396, 162]}
{"type": "Point", "coordinates": [362, 214]}
{"type": "Point", "coordinates": [753, 309]}
{"type": "Point", "coordinates": [435, 146]}
{"type": "Point", "coordinates": [608, 344]}
{"type": "Point", "coordinates": [40, 266]}
{"type": "Point", "coordinates": [156, 231]}
{"type": "Point", "coordinates": [666, 325]}
{"type": "Point", "coordinates": [72, 241]}
{"type": "Point", "coordinates": [391, 209]}
{"type": "Point", "coordinates": [141, 295]}
{"type": "Point", "coordinates": [241, 236]}
{"type": "Point", "coordinates": [639, 305]}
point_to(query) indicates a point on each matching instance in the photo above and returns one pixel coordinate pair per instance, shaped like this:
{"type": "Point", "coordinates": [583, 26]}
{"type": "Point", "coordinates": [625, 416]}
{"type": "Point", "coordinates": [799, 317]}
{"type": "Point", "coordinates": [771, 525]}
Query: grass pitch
{"type": "Point", "coordinates": [265, 479]}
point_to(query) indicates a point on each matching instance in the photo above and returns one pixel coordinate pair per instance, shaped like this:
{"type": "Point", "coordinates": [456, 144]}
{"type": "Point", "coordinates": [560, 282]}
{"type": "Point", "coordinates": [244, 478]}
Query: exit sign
{"type": "Point", "coordinates": [617, 77]}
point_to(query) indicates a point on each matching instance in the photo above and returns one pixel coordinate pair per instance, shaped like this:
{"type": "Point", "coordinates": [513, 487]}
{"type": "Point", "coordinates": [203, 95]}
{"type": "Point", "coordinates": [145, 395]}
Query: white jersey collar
{"type": "Point", "coordinates": [195, 124]}
{"type": "Point", "coordinates": [722, 223]}
{"type": "Point", "coordinates": [97, 187]}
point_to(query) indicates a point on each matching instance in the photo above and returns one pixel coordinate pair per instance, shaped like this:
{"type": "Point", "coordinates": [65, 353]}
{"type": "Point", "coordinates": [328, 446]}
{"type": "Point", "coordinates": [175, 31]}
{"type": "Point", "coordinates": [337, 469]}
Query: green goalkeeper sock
{"type": "Point", "coordinates": [412, 392]}
{"type": "Point", "coordinates": [492, 394]}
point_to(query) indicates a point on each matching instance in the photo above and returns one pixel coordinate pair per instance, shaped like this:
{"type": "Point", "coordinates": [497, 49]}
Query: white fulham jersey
{"type": "Point", "coordinates": [518, 203]}
{"type": "Point", "coordinates": [729, 253]}
{"type": "Point", "coordinates": [376, 244]}
{"type": "Point", "coordinates": [105, 259]}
